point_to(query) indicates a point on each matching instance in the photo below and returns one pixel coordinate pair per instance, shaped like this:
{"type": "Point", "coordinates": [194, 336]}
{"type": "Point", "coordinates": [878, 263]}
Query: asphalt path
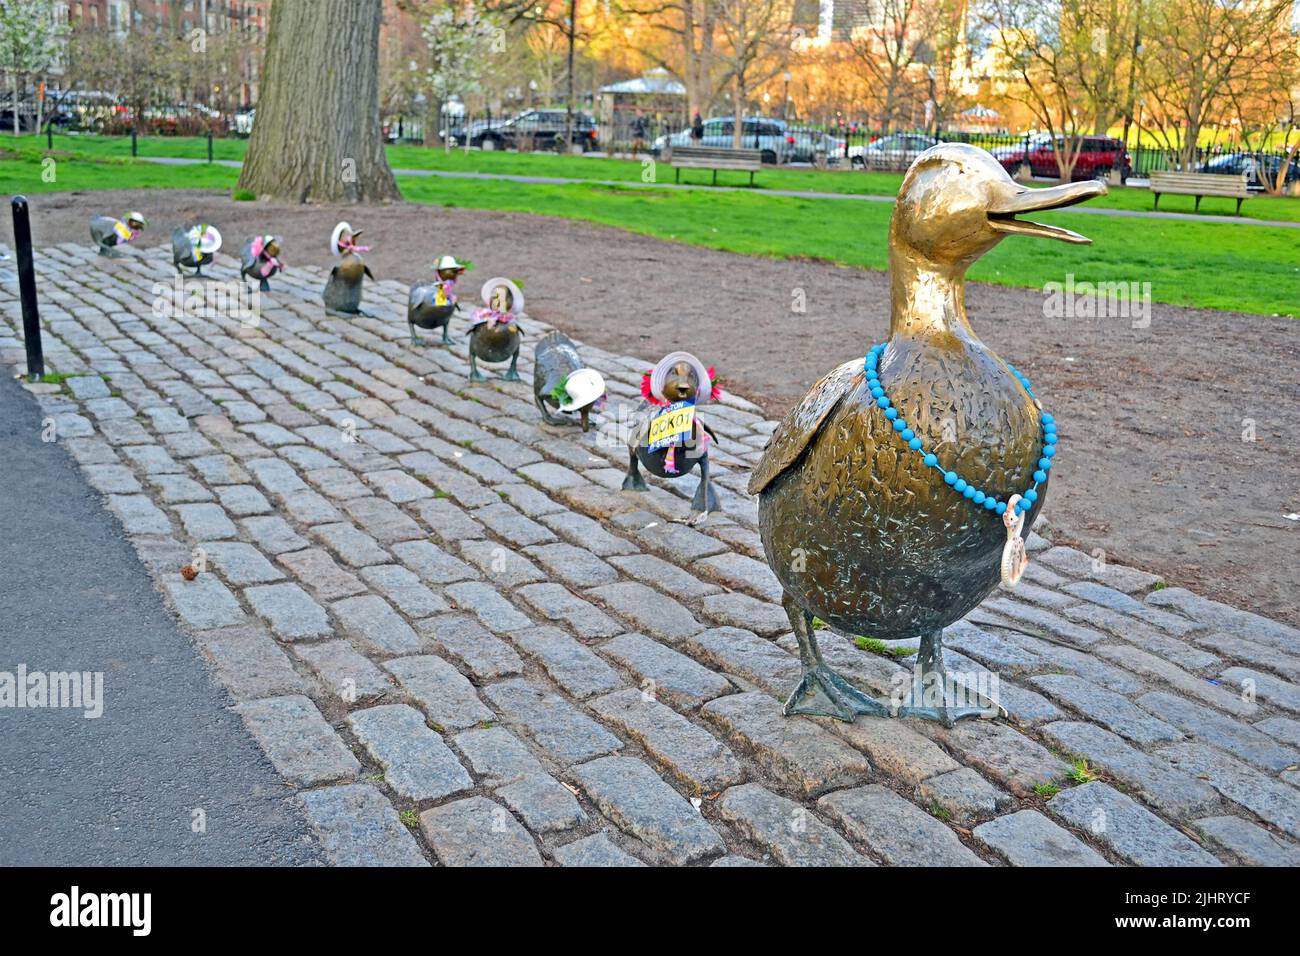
{"type": "Point", "coordinates": [122, 788]}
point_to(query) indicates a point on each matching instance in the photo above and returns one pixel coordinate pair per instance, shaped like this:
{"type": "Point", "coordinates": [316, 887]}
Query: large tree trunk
{"type": "Point", "coordinates": [317, 136]}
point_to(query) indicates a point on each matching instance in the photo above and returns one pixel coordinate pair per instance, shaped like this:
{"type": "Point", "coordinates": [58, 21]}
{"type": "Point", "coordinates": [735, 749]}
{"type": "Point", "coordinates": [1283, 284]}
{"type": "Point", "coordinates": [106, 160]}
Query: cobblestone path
{"type": "Point", "coordinates": [461, 643]}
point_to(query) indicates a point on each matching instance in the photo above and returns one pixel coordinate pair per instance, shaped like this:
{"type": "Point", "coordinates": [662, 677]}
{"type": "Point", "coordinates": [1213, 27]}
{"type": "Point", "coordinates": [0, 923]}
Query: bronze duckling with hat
{"type": "Point", "coordinates": [108, 233]}
{"type": "Point", "coordinates": [259, 259]}
{"type": "Point", "coordinates": [888, 493]}
{"type": "Point", "coordinates": [561, 380]}
{"type": "Point", "coordinates": [494, 333]}
{"type": "Point", "coordinates": [195, 247]}
{"type": "Point", "coordinates": [667, 437]}
{"type": "Point", "coordinates": [342, 292]}
{"type": "Point", "coordinates": [430, 305]}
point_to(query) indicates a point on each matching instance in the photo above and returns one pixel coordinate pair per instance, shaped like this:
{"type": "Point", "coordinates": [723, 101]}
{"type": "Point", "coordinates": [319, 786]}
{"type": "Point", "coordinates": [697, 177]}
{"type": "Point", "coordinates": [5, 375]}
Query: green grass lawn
{"type": "Point", "coordinates": [803, 180]}
{"type": "Point", "coordinates": [1244, 268]}
{"type": "Point", "coordinates": [1211, 265]}
{"type": "Point", "coordinates": [85, 162]}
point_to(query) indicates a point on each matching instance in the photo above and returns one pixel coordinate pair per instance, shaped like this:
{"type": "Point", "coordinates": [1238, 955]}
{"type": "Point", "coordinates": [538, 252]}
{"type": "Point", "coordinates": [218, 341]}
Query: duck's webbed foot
{"type": "Point", "coordinates": [415, 339]}
{"type": "Point", "coordinates": [547, 416]}
{"type": "Point", "coordinates": [474, 374]}
{"type": "Point", "coordinates": [933, 695]}
{"type": "Point", "coordinates": [512, 373]}
{"type": "Point", "coordinates": [824, 693]}
{"type": "Point", "coordinates": [446, 339]}
{"type": "Point", "coordinates": [821, 691]}
{"type": "Point", "coordinates": [633, 480]}
{"type": "Point", "coordinates": [706, 499]}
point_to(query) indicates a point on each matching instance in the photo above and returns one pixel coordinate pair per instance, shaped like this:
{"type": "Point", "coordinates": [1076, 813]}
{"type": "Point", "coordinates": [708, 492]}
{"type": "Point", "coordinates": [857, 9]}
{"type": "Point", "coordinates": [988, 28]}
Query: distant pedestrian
{"type": "Point", "coordinates": [639, 127]}
{"type": "Point", "coordinates": [697, 127]}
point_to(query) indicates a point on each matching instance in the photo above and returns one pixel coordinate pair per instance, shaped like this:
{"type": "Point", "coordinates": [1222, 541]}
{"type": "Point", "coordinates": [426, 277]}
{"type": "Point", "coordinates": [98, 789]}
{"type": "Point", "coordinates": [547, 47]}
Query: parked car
{"type": "Point", "coordinates": [761, 133]}
{"type": "Point", "coordinates": [241, 121]}
{"type": "Point", "coordinates": [1097, 156]}
{"type": "Point", "coordinates": [1013, 154]}
{"type": "Point", "coordinates": [805, 143]}
{"type": "Point", "coordinates": [1260, 168]}
{"type": "Point", "coordinates": [535, 129]}
{"type": "Point", "coordinates": [891, 152]}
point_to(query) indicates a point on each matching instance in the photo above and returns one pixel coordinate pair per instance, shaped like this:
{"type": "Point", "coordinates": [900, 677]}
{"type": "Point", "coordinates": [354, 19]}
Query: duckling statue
{"type": "Point", "coordinates": [494, 334]}
{"type": "Point", "coordinates": [562, 381]}
{"type": "Point", "coordinates": [667, 437]}
{"type": "Point", "coordinates": [432, 304]}
{"type": "Point", "coordinates": [108, 233]}
{"type": "Point", "coordinates": [195, 247]}
{"type": "Point", "coordinates": [260, 259]}
{"type": "Point", "coordinates": [342, 291]}
{"type": "Point", "coordinates": [888, 493]}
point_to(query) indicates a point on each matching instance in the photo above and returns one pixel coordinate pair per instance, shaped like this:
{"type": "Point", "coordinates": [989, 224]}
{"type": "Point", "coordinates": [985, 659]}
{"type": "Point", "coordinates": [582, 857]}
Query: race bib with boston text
{"type": "Point", "coordinates": [671, 425]}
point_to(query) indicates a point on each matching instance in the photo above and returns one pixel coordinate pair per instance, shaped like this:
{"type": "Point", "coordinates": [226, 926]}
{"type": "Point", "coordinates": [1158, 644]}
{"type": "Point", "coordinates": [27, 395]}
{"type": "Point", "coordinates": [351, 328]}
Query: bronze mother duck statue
{"type": "Point", "coordinates": [888, 493]}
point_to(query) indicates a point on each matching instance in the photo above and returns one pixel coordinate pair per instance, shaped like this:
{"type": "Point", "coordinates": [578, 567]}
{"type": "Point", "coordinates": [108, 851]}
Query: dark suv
{"type": "Point", "coordinates": [1096, 158]}
{"type": "Point", "coordinates": [531, 129]}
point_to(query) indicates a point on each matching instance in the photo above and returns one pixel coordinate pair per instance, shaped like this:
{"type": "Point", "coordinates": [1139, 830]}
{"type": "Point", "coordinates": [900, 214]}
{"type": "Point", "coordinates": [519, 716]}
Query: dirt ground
{"type": "Point", "coordinates": [1179, 439]}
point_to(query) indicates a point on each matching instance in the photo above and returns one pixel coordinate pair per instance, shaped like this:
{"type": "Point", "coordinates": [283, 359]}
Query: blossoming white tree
{"type": "Point", "coordinates": [30, 38]}
{"type": "Point", "coordinates": [461, 43]}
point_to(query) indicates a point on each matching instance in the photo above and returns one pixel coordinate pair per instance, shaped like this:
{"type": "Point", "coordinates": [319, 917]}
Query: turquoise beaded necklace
{"type": "Point", "coordinates": [951, 478]}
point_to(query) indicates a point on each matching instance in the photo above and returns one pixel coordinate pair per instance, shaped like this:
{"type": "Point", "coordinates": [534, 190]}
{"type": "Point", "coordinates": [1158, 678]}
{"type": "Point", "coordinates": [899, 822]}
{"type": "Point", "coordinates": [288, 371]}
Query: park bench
{"type": "Point", "coordinates": [715, 158]}
{"type": "Point", "coordinates": [1229, 185]}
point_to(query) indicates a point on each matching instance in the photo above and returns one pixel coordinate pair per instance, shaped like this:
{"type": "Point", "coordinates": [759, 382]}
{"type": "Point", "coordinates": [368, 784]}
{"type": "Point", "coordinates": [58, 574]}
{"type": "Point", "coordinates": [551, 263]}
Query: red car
{"type": "Point", "coordinates": [1097, 156]}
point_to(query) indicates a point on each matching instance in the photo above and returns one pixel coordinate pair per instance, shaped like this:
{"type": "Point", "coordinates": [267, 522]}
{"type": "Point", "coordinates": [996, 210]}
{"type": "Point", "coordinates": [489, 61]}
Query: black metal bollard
{"type": "Point", "coordinates": [49, 135]}
{"type": "Point", "coordinates": [27, 288]}
{"type": "Point", "coordinates": [134, 147]}
{"type": "Point", "coordinates": [209, 145]}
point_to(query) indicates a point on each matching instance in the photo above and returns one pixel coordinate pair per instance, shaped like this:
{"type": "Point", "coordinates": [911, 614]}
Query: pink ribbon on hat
{"type": "Point", "coordinates": [491, 317]}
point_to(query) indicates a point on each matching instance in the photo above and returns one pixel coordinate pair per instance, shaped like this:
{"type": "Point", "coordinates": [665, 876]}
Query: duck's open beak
{"type": "Point", "coordinates": [1002, 214]}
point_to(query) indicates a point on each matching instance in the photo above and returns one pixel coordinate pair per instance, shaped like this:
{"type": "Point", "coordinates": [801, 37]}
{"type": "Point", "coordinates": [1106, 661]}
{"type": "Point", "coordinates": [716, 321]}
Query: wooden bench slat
{"type": "Point", "coordinates": [716, 158]}
{"type": "Point", "coordinates": [1221, 185]}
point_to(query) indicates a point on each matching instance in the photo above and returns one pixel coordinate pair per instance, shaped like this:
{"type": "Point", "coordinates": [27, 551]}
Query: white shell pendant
{"type": "Point", "coordinates": [1014, 556]}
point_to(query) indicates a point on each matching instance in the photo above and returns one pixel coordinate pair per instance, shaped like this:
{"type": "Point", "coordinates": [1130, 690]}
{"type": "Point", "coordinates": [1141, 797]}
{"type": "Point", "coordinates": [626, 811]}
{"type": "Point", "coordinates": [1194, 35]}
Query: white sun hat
{"type": "Point", "coordinates": [205, 238]}
{"type": "Point", "coordinates": [336, 235]}
{"type": "Point", "coordinates": [134, 216]}
{"type": "Point", "coordinates": [447, 262]}
{"type": "Point", "coordinates": [584, 386]}
{"type": "Point", "coordinates": [704, 385]}
{"type": "Point", "coordinates": [485, 294]}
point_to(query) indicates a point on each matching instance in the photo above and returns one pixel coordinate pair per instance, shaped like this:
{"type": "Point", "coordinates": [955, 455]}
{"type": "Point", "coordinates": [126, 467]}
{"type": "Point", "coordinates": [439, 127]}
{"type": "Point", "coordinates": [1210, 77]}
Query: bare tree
{"type": "Point", "coordinates": [687, 31]}
{"type": "Point", "coordinates": [317, 135]}
{"type": "Point", "coordinates": [1202, 54]}
{"type": "Point", "coordinates": [143, 69]}
{"type": "Point", "coordinates": [886, 49]}
{"type": "Point", "coordinates": [1051, 57]}
{"type": "Point", "coordinates": [756, 38]}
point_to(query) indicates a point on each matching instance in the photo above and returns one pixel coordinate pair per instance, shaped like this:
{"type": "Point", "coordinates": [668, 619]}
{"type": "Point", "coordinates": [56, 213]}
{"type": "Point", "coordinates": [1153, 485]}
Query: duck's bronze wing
{"type": "Point", "coordinates": [802, 423]}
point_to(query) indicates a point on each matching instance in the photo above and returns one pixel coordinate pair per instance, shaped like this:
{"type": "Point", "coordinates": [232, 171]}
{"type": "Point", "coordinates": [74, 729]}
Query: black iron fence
{"type": "Point", "coordinates": [856, 146]}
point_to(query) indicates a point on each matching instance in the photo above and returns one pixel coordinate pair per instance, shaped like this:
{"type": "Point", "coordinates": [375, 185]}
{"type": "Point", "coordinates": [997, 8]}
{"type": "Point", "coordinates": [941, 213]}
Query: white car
{"type": "Point", "coordinates": [891, 152]}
